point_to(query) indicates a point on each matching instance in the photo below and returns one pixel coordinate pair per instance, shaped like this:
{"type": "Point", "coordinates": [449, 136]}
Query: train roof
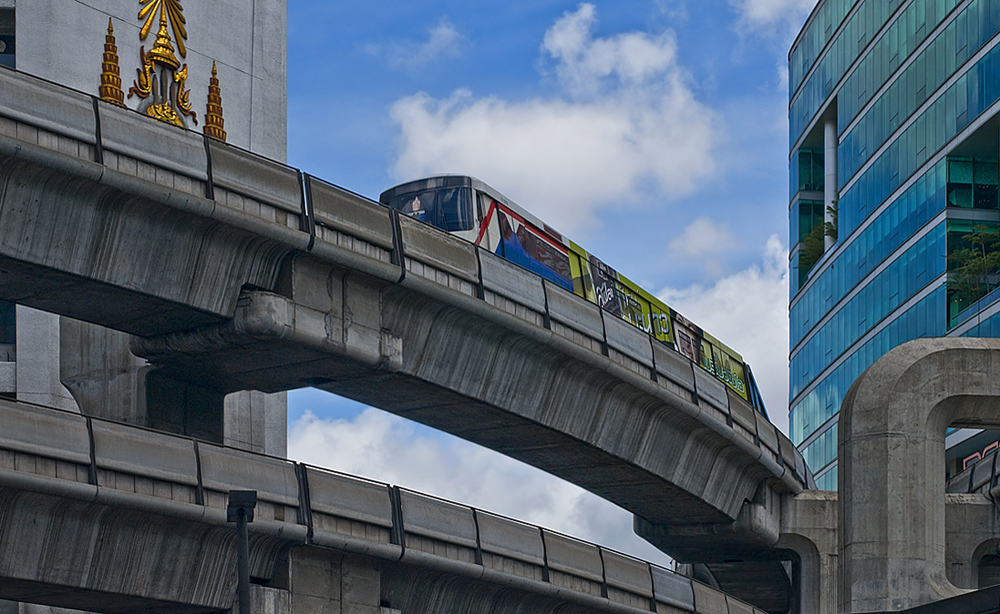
{"type": "Point", "coordinates": [452, 180]}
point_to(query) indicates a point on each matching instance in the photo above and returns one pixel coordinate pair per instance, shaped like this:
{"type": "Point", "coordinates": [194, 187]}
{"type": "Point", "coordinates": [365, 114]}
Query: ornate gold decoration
{"type": "Point", "coordinates": [162, 77]}
{"type": "Point", "coordinates": [143, 85]}
{"type": "Point", "coordinates": [111, 80]}
{"type": "Point", "coordinates": [164, 113]}
{"type": "Point", "coordinates": [214, 123]}
{"type": "Point", "coordinates": [171, 8]}
{"type": "Point", "coordinates": [183, 95]}
{"type": "Point", "coordinates": [163, 50]}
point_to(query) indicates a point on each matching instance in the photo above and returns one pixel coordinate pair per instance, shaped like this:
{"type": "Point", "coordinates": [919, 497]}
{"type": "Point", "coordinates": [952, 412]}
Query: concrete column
{"type": "Point", "coordinates": [830, 192]}
{"type": "Point", "coordinates": [809, 528]}
{"type": "Point", "coordinates": [321, 581]}
{"type": "Point", "coordinates": [892, 523]}
{"type": "Point", "coordinates": [105, 378]}
{"type": "Point", "coordinates": [257, 422]}
{"type": "Point", "coordinates": [37, 368]}
{"type": "Point", "coordinates": [267, 600]}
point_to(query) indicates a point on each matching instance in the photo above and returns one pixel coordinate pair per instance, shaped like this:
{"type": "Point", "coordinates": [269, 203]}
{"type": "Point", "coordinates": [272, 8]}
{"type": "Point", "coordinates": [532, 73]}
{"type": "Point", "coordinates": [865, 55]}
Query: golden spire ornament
{"type": "Point", "coordinates": [163, 50]}
{"type": "Point", "coordinates": [214, 123]}
{"type": "Point", "coordinates": [111, 80]}
{"type": "Point", "coordinates": [165, 8]}
{"type": "Point", "coordinates": [162, 77]}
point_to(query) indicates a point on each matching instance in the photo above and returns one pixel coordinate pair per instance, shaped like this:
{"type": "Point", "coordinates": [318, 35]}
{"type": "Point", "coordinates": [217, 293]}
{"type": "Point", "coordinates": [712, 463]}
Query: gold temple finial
{"type": "Point", "coordinates": [161, 79]}
{"type": "Point", "coordinates": [163, 50]}
{"type": "Point", "coordinates": [111, 80]}
{"type": "Point", "coordinates": [214, 123]}
{"type": "Point", "coordinates": [166, 8]}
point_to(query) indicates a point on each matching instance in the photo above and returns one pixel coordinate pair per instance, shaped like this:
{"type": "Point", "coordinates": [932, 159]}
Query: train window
{"type": "Point", "coordinates": [447, 208]}
{"type": "Point", "coordinates": [7, 38]}
{"type": "Point", "coordinates": [454, 207]}
{"type": "Point", "coordinates": [418, 205]}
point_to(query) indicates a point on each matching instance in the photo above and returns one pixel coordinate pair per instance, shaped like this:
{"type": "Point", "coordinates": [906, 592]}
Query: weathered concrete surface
{"type": "Point", "coordinates": [108, 381]}
{"type": "Point", "coordinates": [104, 377]}
{"type": "Point", "coordinates": [892, 510]}
{"type": "Point", "coordinates": [256, 422]}
{"type": "Point", "coordinates": [973, 525]}
{"type": "Point", "coordinates": [347, 333]}
{"type": "Point", "coordinates": [37, 379]}
{"type": "Point", "coordinates": [370, 305]}
{"type": "Point", "coordinates": [809, 529]}
{"type": "Point", "coordinates": [107, 554]}
{"type": "Point", "coordinates": [102, 516]}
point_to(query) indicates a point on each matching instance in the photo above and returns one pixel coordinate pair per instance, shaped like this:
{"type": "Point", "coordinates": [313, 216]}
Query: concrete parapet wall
{"type": "Point", "coordinates": [348, 296]}
{"type": "Point", "coordinates": [131, 485]}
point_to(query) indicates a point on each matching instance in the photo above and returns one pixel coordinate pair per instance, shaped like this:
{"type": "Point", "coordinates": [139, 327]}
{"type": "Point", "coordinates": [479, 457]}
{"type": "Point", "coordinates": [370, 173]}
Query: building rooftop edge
{"type": "Point", "coordinates": [809, 20]}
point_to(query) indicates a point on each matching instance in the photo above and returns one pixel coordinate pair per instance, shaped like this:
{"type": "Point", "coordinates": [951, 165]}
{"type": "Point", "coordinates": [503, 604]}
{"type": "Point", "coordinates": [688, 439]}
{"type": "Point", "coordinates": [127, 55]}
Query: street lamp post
{"type": "Point", "coordinates": [240, 511]}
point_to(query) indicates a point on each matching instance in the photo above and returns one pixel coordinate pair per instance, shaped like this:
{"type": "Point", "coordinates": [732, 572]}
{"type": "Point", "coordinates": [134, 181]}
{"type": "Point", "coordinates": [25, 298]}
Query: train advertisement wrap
{"type": "Point", "coordinates": [493, 222]}
{"type": "Point", "coordinates": [525, 246]}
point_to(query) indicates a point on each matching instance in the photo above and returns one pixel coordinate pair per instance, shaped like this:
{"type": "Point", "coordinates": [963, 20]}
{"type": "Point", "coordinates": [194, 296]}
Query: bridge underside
{"type": "Point", "coordinates": [453, 362]}
{"type": "Point", "coordinates": [470, 377]}
{"type": "Point", "coordinates": [92, 557]}
{"type": "Point", "coordinates": [226, 293]}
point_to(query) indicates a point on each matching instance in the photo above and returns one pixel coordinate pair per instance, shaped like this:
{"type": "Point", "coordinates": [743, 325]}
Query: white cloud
{"type": "Point", "coordinates": [703, 243]}
{"type": "Point", "coordinates": [626, 115]}
{"type": "Point", "coordinates": [584, 63]}
{"type": "Point", "coordinates": [783, 18]}
{"type": "Point", "coordinates": [748, 310]}
{"type": "Point", "coordinates": [443, 41]}
{"type": "Point", "coordinates": [387, 448]}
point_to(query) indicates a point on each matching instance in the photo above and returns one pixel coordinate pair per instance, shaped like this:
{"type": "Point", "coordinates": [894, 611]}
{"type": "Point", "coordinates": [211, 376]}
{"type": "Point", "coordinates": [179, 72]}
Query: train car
{"type": "Point", "coordinates": [469, 208]}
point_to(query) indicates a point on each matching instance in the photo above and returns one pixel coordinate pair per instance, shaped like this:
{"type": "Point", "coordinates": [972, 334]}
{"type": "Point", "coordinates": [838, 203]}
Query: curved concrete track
{"type": "Point", "coordinates": [235, 272]}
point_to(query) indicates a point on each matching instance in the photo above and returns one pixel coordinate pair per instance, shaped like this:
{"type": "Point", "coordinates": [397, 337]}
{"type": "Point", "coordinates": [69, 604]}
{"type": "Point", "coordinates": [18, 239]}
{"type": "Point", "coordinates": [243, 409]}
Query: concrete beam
{"type": "Point", "coordinates": [892, 427]}
{"type": "Point", "coordinates": [101, 516]}
{"type": "Point", "coordinates": [232, 287]}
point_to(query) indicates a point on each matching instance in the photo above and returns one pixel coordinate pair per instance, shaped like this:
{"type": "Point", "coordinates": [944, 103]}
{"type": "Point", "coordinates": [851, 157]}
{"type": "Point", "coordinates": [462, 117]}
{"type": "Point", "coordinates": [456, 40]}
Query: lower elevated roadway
{"type": "Point", "coordinates": [104, 517]}
{"type": "Point", "coordinates": [234, 272]}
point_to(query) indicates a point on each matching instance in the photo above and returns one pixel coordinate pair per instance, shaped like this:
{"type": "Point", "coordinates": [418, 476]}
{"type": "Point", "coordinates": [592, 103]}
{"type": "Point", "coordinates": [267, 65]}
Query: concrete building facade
{"type": "Point", "coordinates": [893, 115]}
{"type": "Point", "coordinates": [222, 65]}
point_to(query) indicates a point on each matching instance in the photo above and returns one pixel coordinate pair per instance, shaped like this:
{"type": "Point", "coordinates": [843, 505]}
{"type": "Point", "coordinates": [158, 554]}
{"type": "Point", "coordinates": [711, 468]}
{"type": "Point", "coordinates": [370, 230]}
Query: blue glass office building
{"type": "Point", "coordinates": [894, 108]}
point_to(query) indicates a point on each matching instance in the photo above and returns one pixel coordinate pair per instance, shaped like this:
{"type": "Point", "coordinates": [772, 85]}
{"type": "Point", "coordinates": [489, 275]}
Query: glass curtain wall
{"type": "Point", "coordinates": [913, 87]}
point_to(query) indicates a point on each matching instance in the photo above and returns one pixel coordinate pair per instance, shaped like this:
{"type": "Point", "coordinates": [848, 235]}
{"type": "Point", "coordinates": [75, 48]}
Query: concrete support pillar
{"type": "Point", "coordinates": [321, 581]}
{"type": "Point", "coordinates": [830, 192]}
{"type": "Point", "coordinates": [257, 422]}
{"type": "Point", "coordinates": [809, 529]}
{"type": "Point", "coordinates": [37, 368]}
{"type": "Point", "coordinates": [892, 540]}
{"type": "Point", "coordinates": [267, 600]}
{"type": "Point", "coordinates": [105, 378]}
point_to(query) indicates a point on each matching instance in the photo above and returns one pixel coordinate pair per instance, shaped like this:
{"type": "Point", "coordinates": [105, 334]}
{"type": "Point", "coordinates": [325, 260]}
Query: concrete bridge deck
{"type": "Point", "coordinates": [235, 272]}
{"type": "Point", "coordinates": [106, 517]}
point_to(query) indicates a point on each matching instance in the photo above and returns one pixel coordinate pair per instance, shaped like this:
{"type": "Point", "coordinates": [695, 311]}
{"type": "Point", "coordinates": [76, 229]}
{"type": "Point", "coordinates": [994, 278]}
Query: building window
{"type": "Point", "coordinates": [811, 170]}
{"type": "Point", "coordinates": [809, 216]}
{"type": "Point", "coordinates": [7, 46]}
{"type": "Point", "coordinates": [973, 266]}
{"type": "Point", "coordinates": [972, 183]}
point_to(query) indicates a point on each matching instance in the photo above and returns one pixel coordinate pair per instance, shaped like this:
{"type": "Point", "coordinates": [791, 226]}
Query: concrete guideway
{"type": "Point", "coordinates": [892, 539]}
{"type": "Point", "coordinates": [235, 272]}
{"type": "Point", "coordinates": [893, 544]}
{"type": "Point", "coordinates": [136, 520]}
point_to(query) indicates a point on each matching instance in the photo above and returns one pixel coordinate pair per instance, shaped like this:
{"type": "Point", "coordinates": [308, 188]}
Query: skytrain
{"type": "Point", "coordinates": [469, 208]}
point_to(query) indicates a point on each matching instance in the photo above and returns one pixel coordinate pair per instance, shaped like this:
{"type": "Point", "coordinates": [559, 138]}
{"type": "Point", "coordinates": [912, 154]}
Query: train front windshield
{"type": "Point", "coordinates": [447, 208]}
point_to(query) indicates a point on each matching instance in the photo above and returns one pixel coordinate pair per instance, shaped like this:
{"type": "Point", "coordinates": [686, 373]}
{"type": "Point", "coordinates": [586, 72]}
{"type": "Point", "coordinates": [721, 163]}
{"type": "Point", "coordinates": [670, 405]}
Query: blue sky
{"type": "Point", "coordinates": [652, 132]}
